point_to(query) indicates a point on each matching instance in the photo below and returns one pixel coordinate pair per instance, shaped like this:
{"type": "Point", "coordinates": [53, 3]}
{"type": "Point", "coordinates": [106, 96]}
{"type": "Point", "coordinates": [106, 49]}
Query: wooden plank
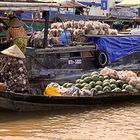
{"type": "Point", "coordinates": [24, 9]}
{"type": "Point", "coordinates": [28, 4]}
{"type": "Point", "coordinates": [34, 6]}
{"type": "Point", "coordinates": [66, 49]}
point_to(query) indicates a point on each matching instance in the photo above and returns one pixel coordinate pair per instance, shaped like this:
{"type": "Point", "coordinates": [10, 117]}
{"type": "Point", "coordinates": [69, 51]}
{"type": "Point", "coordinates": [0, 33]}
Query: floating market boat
{"type": "Point", "coordinates": [60, 63]}
{"type": "Point", "coordinates": [24, 102]}
{"type": "Point", "coordinates": [90, 90]}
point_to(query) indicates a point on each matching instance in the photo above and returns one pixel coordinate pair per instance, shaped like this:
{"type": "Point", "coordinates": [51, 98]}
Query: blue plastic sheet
{"type": "Point", "coordinates": [117, 47]}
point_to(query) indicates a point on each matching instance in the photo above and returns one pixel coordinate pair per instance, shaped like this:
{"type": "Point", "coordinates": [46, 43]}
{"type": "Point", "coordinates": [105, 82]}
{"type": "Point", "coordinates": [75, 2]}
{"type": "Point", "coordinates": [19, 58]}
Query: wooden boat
{"type": "Point", "coordinates": [25, 102]}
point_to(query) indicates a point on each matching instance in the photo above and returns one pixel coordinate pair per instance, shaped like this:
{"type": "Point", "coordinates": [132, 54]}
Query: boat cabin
{"type": "Point", "coordinates": [53, 63]}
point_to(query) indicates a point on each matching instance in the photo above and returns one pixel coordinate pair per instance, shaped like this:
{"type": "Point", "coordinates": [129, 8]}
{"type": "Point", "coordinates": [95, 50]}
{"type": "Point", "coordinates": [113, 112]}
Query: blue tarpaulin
{"type": "Point", "coordinates": [117, 47]}
{"type": "Point", "coordinates": [89, 3]}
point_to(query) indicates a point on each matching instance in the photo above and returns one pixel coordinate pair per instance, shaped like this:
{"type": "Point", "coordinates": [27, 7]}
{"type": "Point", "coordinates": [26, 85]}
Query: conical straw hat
{"type": "Point", "coordinates": [14, 51]}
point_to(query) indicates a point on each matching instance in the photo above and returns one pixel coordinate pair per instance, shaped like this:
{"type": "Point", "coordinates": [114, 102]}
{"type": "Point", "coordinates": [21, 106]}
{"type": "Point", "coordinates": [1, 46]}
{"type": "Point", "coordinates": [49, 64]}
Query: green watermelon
{"type": "Point", "coordinates": [87, 80]}
{"type": "Point", "coordinates": [83, 76]}
{"type": "Point", "coordinates": [81, 81]}
{"type": "Point", "coordinates": [106, 77]}
{"type": "Point", "coordinates": [129, 88]}
{"type": "Point", "coordinates": [119, 83]}
{"type": "Point", "coordinates": [113, 86]}
{"type": "Point", "coordinates": [100, 92]}
{"type": "Point", "coordinates": [93, 84]}
{"type": "Point", "coordinates": [99, 83]}
{"type": "Point", "coordinates": [106, 84]}
{"type": "Point", "coordinates": [112, 81]}
{"type": "Point", "coordinates": [78, 80]}
{"type": "Point", "coordinates": [98, 88]}
{"type": "Point", "coordinates": [124, 90]}
{"type": "Point", "coordinates": [65, 85]}
{"type": "Point", "coordinates": [95, 78]}
{"type": "Point", "coordinates": [94, 73]}
{"type": "Point", "coordinates": [106, 89]}
{"type": "Point", "coordinates": [78, 85]}
{"type": "Point", "coordinates": [93, 90]}
{"type": "Point", "coordinates": [87, 86]}
{"type": "Point", "coordinates": [106, 80]}
{"type": "Point", "coordinates": [101, 78]}
{"type": "Point", "coordinates": [83, 84]}
{"type": "Point", "coordinates": [124, 85]}
{"type": "Point", "coordinates": [69, 85]}
{"type": "Point", "coordinates": [116, 90]}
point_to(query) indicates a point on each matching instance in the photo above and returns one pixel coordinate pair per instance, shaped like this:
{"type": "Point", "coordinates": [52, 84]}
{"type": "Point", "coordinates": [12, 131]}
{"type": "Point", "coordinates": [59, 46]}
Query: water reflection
{"type": "Point", "coordinates": [101, 122]}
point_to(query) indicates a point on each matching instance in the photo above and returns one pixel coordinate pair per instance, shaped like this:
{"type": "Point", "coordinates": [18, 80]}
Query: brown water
{"type": "Point", "coordinates": [115, 122]}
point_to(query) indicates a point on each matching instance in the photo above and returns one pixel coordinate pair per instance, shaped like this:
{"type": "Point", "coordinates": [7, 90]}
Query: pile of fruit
{"type": "Point", "coordinates": [127, 76]}
{"type": "Point", "coordinates": [98, 84]}
{"type": "Point", "coordinates": [95, 83]}
{"type": "Point", "coordinates": [77, 29]}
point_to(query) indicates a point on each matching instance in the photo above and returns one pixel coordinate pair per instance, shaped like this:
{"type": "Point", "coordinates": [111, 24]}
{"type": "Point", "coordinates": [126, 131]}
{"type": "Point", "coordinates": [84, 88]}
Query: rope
{"type": "Point", "coordinates": [29, 27]}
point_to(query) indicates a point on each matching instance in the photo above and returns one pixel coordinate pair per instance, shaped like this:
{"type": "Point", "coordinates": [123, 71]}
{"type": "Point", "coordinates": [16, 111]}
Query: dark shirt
{"type": "Point", "coordinates": [79, 11]}
{"type": "Point", "coordinates": [14, 74]}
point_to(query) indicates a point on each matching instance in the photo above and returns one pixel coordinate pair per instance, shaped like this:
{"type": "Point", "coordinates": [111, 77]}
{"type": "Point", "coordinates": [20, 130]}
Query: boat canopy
{"type": "Point", "coordinates": [26, 6]}
{"type": "Point", "coordinates": [89, 2]}
{"type": "Point", "coordinates": [67, 3]}
{"type": "Point", "coordinates": [64, 3]}
{"type": "Point", "coordinates": [36, 6]}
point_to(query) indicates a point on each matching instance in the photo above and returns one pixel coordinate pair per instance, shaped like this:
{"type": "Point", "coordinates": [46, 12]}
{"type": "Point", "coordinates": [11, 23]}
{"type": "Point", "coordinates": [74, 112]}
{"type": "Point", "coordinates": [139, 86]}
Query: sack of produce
{"type": "Point", "coordinates": [72, 91]}
{"type": "Point", "coordinates": [85, 92]}
{"type": "Point", "coordinates": [3, 86]}
{"type": "Point", "coordinates": [121, 75]}
{"type": "Point", "coordinates": [137, 86]}
{"type": "Point", "coordinates": [135, 31]}
{"type": "Point", "coordinates": [53, 84]}
{"type": "Point", "coordinates": [105, 71]}
{"type": "Point", "coordinates": [51, 91]}
{"type": "Point", "coordinates": [129, 75]}
{"type": "Point", "coordinates": [138, 83]}
{"type": "Point", "coordinates": [109, 72]}
{"type": "Point", "coordinates": [133, 81]}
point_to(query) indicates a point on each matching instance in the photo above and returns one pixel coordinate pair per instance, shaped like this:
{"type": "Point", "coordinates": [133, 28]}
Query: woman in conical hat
{"type": "Point", "coordinates": [14, 72]}
{"type": "Point", "coordinates": [16, 33]}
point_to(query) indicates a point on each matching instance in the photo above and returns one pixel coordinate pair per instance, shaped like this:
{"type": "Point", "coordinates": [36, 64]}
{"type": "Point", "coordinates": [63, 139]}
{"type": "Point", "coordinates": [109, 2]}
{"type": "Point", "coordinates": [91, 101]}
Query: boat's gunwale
{"type": "Point", "coordinates": [12, 95]}
{"type": "Point", "coordinates": [25, 102]}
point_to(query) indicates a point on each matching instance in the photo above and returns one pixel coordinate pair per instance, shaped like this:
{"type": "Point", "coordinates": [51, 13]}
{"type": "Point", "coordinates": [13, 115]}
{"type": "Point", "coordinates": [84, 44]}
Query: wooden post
{"type": "Point", "coordinates": [46, 17]}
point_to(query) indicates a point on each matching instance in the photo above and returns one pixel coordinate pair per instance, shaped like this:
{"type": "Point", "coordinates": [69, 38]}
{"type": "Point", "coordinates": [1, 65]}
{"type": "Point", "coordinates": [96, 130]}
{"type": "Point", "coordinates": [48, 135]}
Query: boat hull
{"type": "Point", "coordinates": [21, 102]}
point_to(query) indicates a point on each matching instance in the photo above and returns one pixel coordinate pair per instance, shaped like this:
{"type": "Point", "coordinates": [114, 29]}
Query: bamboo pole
{"type": "Point", "coordinates": [69, 4]}
{"type": "Point", "coordinates": [28, 4]}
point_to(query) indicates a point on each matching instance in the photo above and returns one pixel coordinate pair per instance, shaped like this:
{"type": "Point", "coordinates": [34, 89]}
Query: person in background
{"type": "Point", "coordinates": [88, 9]}
{"type": "Point", "coordinates": [16, 33]}
{"type": "Point", "coordinates": [13, 70]}
{"type": "Point", "coordinates": [79, 11]}
{"type": "Point", "coordinates": [126, 28]}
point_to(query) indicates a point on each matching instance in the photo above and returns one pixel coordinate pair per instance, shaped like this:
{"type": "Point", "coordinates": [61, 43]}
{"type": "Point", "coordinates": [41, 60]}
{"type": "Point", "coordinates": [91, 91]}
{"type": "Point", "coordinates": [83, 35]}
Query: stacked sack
{"type": "Point", "coordinates": [128, 76]}
{"type": "Point", "coordinates": [77, 29]}
{"type": "Point", "coordinates": [54, 89]}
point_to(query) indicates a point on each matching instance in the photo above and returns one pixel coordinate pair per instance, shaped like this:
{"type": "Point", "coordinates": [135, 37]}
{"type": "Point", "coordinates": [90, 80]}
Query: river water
{"type": "Point", "coordinates": [109, 122]}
